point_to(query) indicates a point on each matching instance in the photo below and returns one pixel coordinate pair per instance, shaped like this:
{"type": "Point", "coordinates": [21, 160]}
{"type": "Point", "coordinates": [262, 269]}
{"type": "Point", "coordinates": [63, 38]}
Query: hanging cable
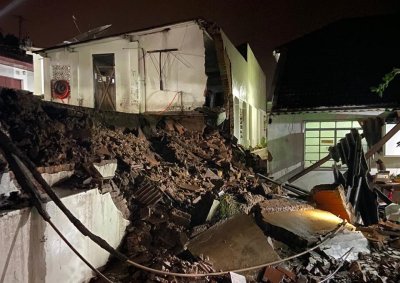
{"type": "Point", "coordinates": [22, 175]}
{"type": "Point", "coordinates": [344, 256]}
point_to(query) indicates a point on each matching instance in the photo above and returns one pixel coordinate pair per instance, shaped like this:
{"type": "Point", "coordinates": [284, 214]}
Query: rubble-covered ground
{"type": "Point", "coordinates": [167, 182]}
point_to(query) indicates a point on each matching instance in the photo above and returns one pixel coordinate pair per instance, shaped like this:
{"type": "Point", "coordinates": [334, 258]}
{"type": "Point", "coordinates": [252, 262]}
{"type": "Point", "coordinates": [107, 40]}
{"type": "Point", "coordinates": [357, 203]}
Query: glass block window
{"type": "Point", "coordinates": [319, 136]}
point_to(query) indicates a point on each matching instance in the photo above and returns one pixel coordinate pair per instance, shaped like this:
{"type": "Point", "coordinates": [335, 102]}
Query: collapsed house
{"type": "Point", "coordinates": [172, 69]}
{"type": "Point", "coordinates": [200, 207]}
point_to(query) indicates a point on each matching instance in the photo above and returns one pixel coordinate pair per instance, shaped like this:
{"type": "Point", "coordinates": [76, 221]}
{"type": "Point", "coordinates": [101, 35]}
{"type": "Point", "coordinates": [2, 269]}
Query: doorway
{"type": "Point", "coordinates": [104, 82]}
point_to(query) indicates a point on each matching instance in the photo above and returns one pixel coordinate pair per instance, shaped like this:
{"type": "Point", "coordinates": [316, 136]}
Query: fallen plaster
{"type": "Point", "coordinates": [236, 243]}
{"type": "Point", "coordinates": [8, 184]}
{"type": "Point", "coordinates": [32, 251]}
{"type": "Point", "coordinates": [342, 242]}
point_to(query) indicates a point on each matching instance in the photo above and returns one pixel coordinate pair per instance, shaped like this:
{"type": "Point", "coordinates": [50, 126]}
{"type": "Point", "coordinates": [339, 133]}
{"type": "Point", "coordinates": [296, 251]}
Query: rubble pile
{"type": "Point", "coordinates": [174, 185]}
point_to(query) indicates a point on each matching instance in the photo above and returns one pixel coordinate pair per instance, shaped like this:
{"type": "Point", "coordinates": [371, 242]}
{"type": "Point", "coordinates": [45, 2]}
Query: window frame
{"type": "Point", "coordinates": [335, 126]}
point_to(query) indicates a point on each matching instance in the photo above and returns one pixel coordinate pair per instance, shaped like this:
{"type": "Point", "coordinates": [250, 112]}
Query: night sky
{"type": "Point", "coordinates": [264, 24]}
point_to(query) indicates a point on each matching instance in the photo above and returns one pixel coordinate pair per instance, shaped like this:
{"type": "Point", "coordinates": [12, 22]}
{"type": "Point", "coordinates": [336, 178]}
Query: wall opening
{"type": "Point", "coordinates": [214, 96]}
{"type": "Point", "coordinates": [104, 81]}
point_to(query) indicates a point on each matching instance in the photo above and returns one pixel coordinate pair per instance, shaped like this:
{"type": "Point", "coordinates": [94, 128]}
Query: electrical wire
{"type": "Point", "coordinates": [94, 269]}
{"type": "Point", "coordinates": [170, 103]}
{"type": "Point", "coordinates": [344, 256]}
{"type": "Point", "coordinates": [192, 275]}
{"type": "Point", "coordinates": [20, 169]}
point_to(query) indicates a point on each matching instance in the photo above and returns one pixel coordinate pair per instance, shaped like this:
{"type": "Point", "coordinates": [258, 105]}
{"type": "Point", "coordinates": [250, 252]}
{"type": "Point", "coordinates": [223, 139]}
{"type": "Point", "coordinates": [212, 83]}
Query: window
{"type": "Point", "coordinates": [319, 136]}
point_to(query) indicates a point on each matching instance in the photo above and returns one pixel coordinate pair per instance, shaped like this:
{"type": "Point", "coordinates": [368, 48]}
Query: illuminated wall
{"type": "Point", "coordinates": [249, 91]}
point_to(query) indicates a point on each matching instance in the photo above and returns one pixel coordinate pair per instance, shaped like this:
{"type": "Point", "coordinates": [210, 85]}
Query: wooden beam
{"type": "Point", "coordinates": [310, 168]}
{"type": "Point", "coordinates": [382, 141]}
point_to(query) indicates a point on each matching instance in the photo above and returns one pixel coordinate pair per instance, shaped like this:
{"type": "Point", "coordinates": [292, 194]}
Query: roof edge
{"type": "Point", "coordinates": [197, 20]}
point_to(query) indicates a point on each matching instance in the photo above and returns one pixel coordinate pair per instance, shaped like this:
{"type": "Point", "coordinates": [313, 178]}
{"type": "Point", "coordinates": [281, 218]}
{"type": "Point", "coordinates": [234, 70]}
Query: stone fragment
{"type": "Point", "coordinates": [106, 168]}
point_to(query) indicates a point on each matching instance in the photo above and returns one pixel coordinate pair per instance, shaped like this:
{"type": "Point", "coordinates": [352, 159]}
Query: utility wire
{"type": "Point", "coordinates": [344, 256]}
{"type": "Point", "coordinates": [166, 273]}
{"type": "Point", "coordinates": [24, 178]}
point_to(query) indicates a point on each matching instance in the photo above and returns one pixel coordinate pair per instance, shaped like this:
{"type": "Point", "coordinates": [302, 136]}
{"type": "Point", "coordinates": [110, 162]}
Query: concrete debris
{"type": "Point", "coordinates": [392, 212]}
{"type": "Point", "coordinates": [339, 245]}
{"type": "Point", "coordinates": [282, 205]}
{"type": "Point", "coordinates": [234, 243]}
{"type": "Point", "coordinates": [55, 178]}
{"type": "Point", "coordinates": [193, 197]}
{"type": "Point", "coordinates": [106, 168]}
{"type": "Point", "coordinates": [299, 227]}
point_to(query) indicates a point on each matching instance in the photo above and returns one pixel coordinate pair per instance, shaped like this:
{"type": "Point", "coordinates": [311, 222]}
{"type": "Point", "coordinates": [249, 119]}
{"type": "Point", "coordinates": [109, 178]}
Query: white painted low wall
{"type": "Point", "coordinates": [31, 251]}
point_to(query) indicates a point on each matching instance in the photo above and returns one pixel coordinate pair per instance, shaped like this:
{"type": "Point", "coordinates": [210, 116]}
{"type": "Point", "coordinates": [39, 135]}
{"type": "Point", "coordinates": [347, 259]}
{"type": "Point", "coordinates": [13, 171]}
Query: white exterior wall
{"type": "Point", "coordinates": [184, 69]}
{"type": "Point", "coordinates": [248, 87]}
{"type": "Point", "coordinates": [138, 81]}
{"type": "Point", "coordinates": [38, 83]}
{"type": "Point", "coordinates": [31, 251]}
{"type": "Point", "coordinates": [79, 59]}
{"type": "Point", "coordinates": [25, 76]}
{"type": "Point", "coordinates": [137, 76]}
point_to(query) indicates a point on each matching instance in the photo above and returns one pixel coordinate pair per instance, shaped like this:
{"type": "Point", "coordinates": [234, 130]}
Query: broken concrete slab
{"type": "Point", "coordinates": [342, 242]}
{"type": "Point", "coordinates": [235, 243]}
{"type": "Point", "coordinates": [282, 204]}
{"type": "Point", "coordinates": [301, 227]}
{"type": "Point", "coordinates": [332, 198]}
{"type": "Point", "coordinates": [106, 168]}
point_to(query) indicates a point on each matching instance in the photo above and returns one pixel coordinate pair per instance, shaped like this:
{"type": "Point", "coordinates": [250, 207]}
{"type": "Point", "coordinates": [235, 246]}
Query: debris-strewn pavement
{"type": "Point", "coordinates": [174, 185]}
